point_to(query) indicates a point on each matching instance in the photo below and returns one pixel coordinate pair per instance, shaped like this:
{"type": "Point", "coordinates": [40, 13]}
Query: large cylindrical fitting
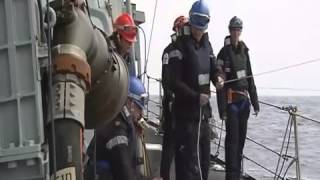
{"type": "Point", "coordinates": [68, 150]}
{"type": "Point", "coordinates": [108, 94]}
{"type": "Point", "coordinates": [109, 74]}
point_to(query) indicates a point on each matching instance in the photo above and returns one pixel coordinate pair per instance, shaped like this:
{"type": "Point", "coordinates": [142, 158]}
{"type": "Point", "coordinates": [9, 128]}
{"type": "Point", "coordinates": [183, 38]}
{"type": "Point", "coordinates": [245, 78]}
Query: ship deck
{"type": "Point", "coordinates": [154, 155]}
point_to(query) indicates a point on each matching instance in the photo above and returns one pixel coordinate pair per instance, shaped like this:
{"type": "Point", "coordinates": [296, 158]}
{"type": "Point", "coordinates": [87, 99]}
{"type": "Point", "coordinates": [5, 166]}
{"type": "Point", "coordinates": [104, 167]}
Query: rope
{"type": "Point", "coordinates": [198, 143]}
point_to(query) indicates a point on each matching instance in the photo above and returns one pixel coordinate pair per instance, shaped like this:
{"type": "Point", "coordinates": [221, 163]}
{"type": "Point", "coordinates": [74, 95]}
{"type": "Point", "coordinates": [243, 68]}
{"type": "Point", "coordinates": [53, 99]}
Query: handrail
{"type": "Point", "coordinates": [250, 139]}
{"type": "Point", "coordinates": [255, 162]}
{"type": "Point", "coordinates": [290, 109]}
{"type": "Point", "coordinates": [153, 101]}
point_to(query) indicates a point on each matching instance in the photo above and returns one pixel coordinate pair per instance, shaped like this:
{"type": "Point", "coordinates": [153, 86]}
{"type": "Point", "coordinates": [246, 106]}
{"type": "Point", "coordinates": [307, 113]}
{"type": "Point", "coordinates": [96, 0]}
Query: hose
{"type": "Point", "coordinates": [52, 18]}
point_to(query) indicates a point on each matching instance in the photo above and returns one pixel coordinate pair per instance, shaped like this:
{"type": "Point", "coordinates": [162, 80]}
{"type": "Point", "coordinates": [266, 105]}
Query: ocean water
{"type": "Point", "coordinates": [269, 129]}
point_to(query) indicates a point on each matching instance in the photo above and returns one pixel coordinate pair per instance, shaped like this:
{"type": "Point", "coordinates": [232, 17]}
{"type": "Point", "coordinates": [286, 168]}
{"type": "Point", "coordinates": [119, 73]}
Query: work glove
{"type": "Point", "coordinates": [220, 83]}
{"type": "Point", "coordinates": [204, 99]}
{"type": "Point", "coordinates": [157, 178]}
{"type": "Point", "coordinates": [223, 116]}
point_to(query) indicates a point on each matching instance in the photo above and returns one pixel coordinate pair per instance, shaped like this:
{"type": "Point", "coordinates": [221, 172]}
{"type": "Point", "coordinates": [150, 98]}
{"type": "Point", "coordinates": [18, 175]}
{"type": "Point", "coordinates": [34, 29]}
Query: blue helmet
{"type": "Point", "coordinates": [199, 15]}
{"type": "Point", "coordinates": [137, 91]}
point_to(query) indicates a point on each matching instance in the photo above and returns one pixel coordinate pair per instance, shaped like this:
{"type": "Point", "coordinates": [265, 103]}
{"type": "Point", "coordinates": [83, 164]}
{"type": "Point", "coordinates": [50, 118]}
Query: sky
{"type": "Point", "coordinates": [279, 33]}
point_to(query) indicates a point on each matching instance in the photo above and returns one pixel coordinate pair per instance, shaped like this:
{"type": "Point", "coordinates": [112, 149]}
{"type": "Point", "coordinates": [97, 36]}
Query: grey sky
{"type": "Point", "coordinates": [278, 33]}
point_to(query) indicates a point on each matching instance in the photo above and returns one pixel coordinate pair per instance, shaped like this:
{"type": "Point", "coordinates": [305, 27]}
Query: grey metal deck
{"type": "Point", "coordinates": [155, 158]}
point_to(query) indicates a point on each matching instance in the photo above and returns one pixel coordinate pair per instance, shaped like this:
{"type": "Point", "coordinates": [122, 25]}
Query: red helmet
{"type": "Point", "coordinates": [179, 22]}
{"type": "Point", "coordinates": [125, 26]}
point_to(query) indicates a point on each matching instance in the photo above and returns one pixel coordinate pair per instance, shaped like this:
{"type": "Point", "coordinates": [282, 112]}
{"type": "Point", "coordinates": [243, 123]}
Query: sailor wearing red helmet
{"type": "Point", "coordinates": [125, 32]}
{"type": "Point", "coordinates": [167, 120]}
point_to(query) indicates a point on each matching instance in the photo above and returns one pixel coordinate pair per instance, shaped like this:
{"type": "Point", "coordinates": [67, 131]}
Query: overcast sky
{"type": "Point", "coordinates": [278, 33]}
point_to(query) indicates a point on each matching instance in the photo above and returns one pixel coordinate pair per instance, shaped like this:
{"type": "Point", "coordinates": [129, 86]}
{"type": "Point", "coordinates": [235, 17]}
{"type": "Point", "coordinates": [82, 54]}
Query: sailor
{"type": "Point", "coordinates": [112, 152]}
{"type": "Point", "coordinates": [191, 67]}
{"type": "Point", "coordinates": [168, 124]}
{"type": "Point", "coordinates": [124, 36]}
{"type": "Point", "coordinates": [233, 99]}
{"type": "Point", "coordinates": [125, 33]}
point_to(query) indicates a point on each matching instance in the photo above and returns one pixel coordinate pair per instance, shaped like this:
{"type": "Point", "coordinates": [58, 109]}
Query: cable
{"type": "Point", "coordinates": [153, 113]}
{"type": "Point", "coordinates": [148, 167]}
{"type": "Point", "coordinates": [89, 14]}
{"type": "Point", "coordinates": [291, 89]}
{"type": "Point", "coordinates": [290, 164]}
{"type": "Point", "coordinates": [150, 39]}
{"type": "Point", "coordinates": [288, 109]}
{"type": "Point", "coordinates": [268, 104]}
{"type": "Point", "coordinates": [50, 94]}
{"type": "Point", "coordinates": [274, 70]}
{"type": "Point", "coordinates": [198, 143]}
{"type": "Point", "coordinates": [145, 48]}
{"type": "Point", "coordinates": [42, 35]}
{"type": "Point", "coordinates": [282, 146]}
{"type": "Point", "coordinates": [94, 154]}
{"type": "Point", "coordinates": [307, 118]}
{"type": "Point", "coordinates": [287, 147]}
{"type": "Point", "coordinates": [248, 138]}
{"type": "Point", "coordinates": [270, 171]}
{"type": "Point", "coordinates": [220, 137]}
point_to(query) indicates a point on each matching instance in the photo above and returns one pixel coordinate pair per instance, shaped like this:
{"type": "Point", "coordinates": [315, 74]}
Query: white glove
{"type": "Point", "coordinates": [204, 99]}
{"type": "Point", "coordinates": [220, 83]}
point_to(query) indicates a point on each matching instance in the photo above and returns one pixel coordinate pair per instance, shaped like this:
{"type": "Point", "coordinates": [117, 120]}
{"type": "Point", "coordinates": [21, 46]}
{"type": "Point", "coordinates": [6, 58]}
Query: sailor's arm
{"type": "Point", "coordinates": [252, 88]}
{"type": "Point", "coordinates": [216, 73]}
{"type": "Point", "coordinates": [121, 165]}
{"type": "Point", "coordinates": [176, 82]}
{"type": "Point", "coordinates": [221, 93]}
{"type": "Point", "coordinates": [164, 72]}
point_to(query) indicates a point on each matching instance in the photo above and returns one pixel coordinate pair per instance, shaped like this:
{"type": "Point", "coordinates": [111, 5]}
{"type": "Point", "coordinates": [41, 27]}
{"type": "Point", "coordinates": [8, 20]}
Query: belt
{"type": "Point", "coordinates": [234, 96]}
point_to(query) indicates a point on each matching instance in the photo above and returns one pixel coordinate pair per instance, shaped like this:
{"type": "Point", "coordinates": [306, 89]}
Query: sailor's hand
{"type": "Point", "coordinates": [157, 178]}
{"type": "Point", "coordinates": [223, 116]}
{"type": "Point", "coordinates": [220, 82]}
{"type": "Point", "coordinates": [204, 99]}
{"type": "Point", "coordinates": [256, 112]}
